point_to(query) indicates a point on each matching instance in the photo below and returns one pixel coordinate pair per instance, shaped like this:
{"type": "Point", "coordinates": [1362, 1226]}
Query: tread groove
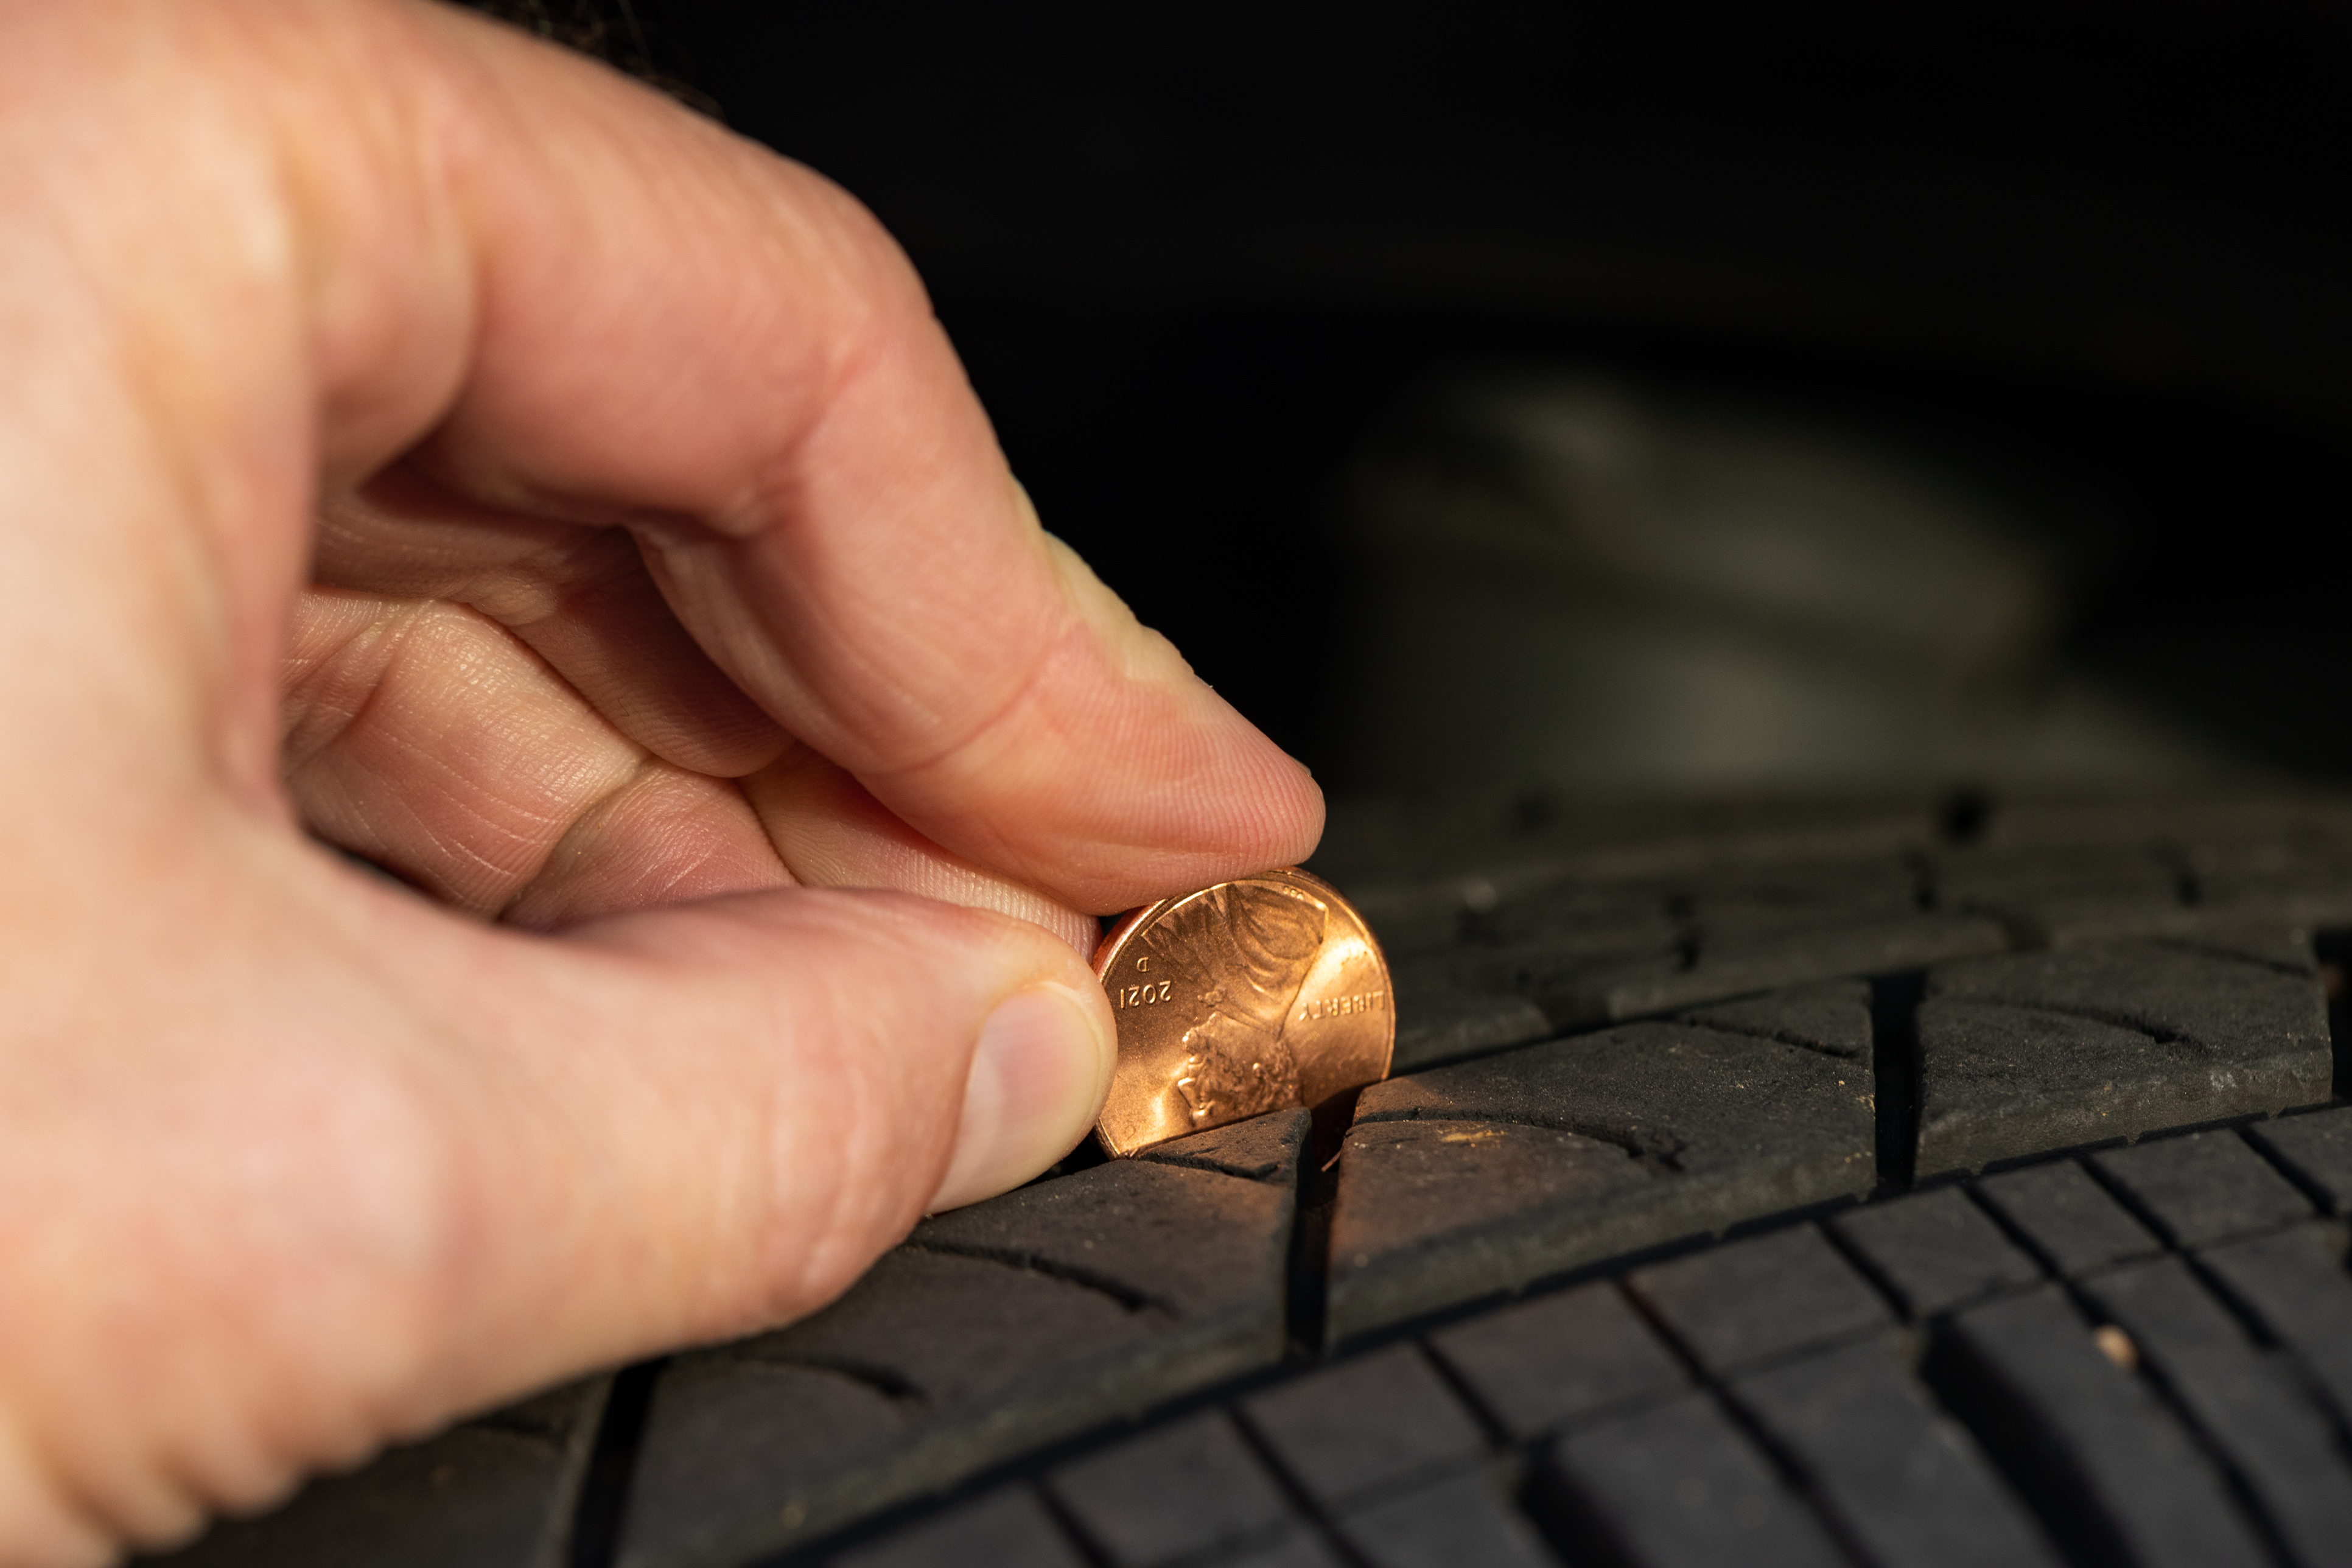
{"type": "Point", "coordinates": [2318, 1196]}
{"type": "Point", "coordinates": [611, 1464]}
{"type": "Point", "coordinates": [866, 1375]}
{"type": "Point", "coordinates": [1895, 1069]}
{"type": "Point", "coordinates": [2332, 949]}
{"type": "Point", "coordinates": [1126, 1296]}
{"type": "Point", "coordinates": [1784, 1465]}
{"type": "Point", "coordinates": [1696, 1021]}
{"type": "Point", "coordinates": [1966, 815]}
{"type": "Point", "coordinates": [2025, 1240]}
{"type": "Point", "coordinates": [1306, 1279]}
{"type": "Point", "coordinates": [1303, 1503]}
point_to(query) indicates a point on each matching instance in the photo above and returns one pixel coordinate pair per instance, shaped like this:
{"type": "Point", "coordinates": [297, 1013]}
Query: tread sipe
{"type": "Point", "coordinates": [1916, 1183]}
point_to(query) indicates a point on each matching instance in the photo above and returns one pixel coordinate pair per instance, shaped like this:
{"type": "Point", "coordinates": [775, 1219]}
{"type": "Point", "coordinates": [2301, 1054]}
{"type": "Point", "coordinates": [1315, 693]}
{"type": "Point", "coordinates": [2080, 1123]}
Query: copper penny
{"type": "Point", "coordinates": [1261, 993]}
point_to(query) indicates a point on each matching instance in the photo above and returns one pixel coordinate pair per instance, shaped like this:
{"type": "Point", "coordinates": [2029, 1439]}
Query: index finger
{"type": "Point", "coordinates": [677, 331]}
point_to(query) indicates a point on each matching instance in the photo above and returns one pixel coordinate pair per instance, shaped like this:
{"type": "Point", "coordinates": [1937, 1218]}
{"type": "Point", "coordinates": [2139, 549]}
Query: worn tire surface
{"type": "Point", "coordinates": [1924, 1181]}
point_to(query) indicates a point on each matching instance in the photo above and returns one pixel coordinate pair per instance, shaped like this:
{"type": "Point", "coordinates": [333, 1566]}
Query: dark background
{"type": "Point", "coordinates": [1195, 259]}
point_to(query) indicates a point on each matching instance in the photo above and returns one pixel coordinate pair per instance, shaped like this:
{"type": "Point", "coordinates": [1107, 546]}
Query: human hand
{"type": "Point", "coordinates": [419, 436]}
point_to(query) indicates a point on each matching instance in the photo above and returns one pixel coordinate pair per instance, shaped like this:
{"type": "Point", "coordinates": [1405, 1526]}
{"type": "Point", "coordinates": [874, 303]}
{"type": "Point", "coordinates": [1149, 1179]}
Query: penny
{"type": "Point", "coordinates": [1262, 993]}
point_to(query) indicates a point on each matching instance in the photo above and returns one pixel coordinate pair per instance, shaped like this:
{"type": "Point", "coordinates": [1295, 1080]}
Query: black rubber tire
{"type": "Point", "coordinates": [1924, 1182]}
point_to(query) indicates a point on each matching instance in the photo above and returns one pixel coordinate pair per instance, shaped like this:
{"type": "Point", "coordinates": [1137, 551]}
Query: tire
{"type": "Point", "coordinates": [1922, 1183]}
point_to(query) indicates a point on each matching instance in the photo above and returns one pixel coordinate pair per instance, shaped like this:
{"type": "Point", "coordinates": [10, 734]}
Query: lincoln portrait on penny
{"type": "Point", "coordinates": [1240, 954]}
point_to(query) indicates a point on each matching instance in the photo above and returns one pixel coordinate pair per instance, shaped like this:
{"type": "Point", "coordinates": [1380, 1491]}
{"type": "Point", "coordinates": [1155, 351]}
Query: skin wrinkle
{"type": "Point", "coordinates": [310, 674]}
{"type": "Point", "coordinates": [533, 837]}
{"type": "Point", "coordinates": [1076, 638]}
{"type": "Point", "coordinates": [856, 353]}
{"type": "Point", "coordinates": [531, 831]}
{"type": "Point", "coordinates": [1178, 807]}
{"type": "Point", "coordinates": [989, 721]}
{"type": "Point", "coordinates": [511, 484]}
{"type": "Point", "coordinates": [831, 831]}
{"type": "Point", "coordinates": [663, 691]}
{"type": "Point", "coordinates": [370, 644]}
{"type": "Point", "coordinates": [405, 536]}
{"type": "Point", "coordinates": [451, 844]}
{"type": "Point", "coordinates": [350, 331]}
{"type": "Point", "coordinates": [696, 719]}
{"type": "Point", "coordinates": [850, 639]}
{"type": "Point", "coordinates": [682, 872]}
{"type": "Point", "coordinates": [538, 905]}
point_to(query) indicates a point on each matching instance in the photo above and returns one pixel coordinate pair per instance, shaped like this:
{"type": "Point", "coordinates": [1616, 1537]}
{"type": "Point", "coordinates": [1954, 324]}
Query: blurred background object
{"type": "Point", "coordinates": [1562, 579]}
{"type": "Point", "coordinates": [1659, 395]}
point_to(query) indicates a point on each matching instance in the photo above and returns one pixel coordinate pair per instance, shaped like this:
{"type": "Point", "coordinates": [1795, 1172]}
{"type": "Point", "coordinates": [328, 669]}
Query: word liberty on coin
{"type": "Point", "coordinates": [1257, 995]}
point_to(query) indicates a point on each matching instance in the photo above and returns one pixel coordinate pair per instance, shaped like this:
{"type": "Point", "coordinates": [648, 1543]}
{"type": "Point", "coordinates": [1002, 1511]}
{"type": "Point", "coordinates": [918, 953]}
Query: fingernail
{"type": "Point", "coordinates": [1037, 1082]}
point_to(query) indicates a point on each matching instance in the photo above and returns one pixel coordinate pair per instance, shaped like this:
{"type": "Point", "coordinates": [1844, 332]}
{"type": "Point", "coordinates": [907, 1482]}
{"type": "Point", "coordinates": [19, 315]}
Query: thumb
{"type": "Point", "coordinates": [783, 1082]}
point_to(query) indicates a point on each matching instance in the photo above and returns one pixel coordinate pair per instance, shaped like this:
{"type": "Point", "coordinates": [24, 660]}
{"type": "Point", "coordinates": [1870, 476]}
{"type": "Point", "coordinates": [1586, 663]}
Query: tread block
{"type": "Point", "coordinates": [2317, 1147]}
{"type": "Point", "coordinates": [1833, 1019]}
{"type": "Point", "coordinates": [1008, 1526]}
{"type": "Point", "coordinates": [1935, 1250]}
{"type": "Point", "coordinates": [992, 1329]}
{"type": "Point", "coordinates": [1180, 1492]}
{"type": "Point", "coordinates": [498, 1492]}
{"type": "Point", "coordinates": [1431, 847]}
{"type": "Point", "coordinates": [2076, 1222]}
{"type": "Point", "coordinates": [1768, 1295]}
{"type": "Point", "coordinates": [1581, 991]}
{"type": "Point", "coordinates": [1378, 1422]}
{"type": "Point", "coordinates": [1477, 1178]}
{"type": "Point", "coordinates": [729, 1440]}
{"type": "Point", "coordinates": [1910, 1486]}
{"type": "Point", "coordinates": [2200, 826]}
{"type": "Point", "coordinates": [2303, 877]}
{"type": "Point", "coordinates": [2268, 941]}
{"type": "Point", "coordinates": [1606, 922]}
{"type": "Point", "coordinates": [1412, 1193]}
{"type": "Point", "coordinates": [2205, 1187]}
{"type": "Point", "coordinates": [2295, 1285]}
{"type": "Point", "coordinates": [1513, 948]}
{"type": "Point", "coordinates": [1997, 1082]}
{"type": "Point", "coordinates": [1679, 1487]}
{"type": "Point", "coordinates": [1438, 1020]}
{"type": "Point", "coordinates": [1536, 1366]}
{"type": "Point", "coordinates": [1790, 924]}
{"type": "Point", "coordinates": [1592, 953]}
{"type": "Point", "coordinates": [1262, 1149]}
{"type": "Point", "coordinates": [2217, 1000]}
{"type": "Point", "coordinates": [2244, 1398]}
{"type": "Point", "coordinates": [1465, 1520]}
{"type": "Point", "coordinates": [1576, 981]}
{"type": "Point", "coordinates": [2037, 1050]}
{"type": "Point", "coordinates": [1299, 1549]}
{"type": "Point", "coordinates": [2112, 1475]}
{"type": "Point", "coordinates": [2054, 897]}
{"type": "Point", "coordinates": [1732, 961]}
